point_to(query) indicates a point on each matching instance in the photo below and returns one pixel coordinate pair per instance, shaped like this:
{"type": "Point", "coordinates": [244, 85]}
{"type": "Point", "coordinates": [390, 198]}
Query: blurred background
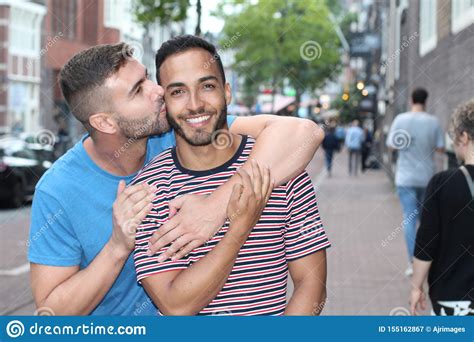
{"type": "Point", "coordinates": [327, 61]}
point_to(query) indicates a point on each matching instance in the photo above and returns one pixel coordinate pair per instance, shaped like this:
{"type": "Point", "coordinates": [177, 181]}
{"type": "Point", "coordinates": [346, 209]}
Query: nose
{"type": "Point", "coordinates": [195, 103]}
{"type": "Point", "coordinates": [157, 92]}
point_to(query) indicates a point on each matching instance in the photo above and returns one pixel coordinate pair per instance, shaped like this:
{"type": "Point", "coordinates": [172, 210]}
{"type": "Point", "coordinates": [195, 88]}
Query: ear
{"type": "Point", "coordinates": [228, 93]}
{"type": "Point", "coordinates": [104, 123]}
{"type": "Point", "coordinates": [464, 138]}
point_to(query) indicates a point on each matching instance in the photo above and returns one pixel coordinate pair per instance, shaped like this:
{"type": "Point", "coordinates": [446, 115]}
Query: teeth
{"type": "Point", "coordinates": [197, 120]}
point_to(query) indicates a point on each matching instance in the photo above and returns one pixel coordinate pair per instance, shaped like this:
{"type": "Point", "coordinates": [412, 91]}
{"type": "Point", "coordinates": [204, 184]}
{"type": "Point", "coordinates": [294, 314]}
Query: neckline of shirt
{"type": "Point", "coordinates": [217, 169]}
{"type": "Point", "coordinates": [85, 156]}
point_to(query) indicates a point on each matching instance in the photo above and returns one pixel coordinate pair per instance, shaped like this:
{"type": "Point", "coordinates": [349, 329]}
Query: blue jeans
{"type": "Point", "coordinates": [411, 199]}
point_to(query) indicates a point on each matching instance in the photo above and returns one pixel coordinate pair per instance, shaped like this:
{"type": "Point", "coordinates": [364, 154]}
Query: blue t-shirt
{"type": "Point", "coordinates": [416, 136]}
{"type": "Point", "coordinates": [71, 221]}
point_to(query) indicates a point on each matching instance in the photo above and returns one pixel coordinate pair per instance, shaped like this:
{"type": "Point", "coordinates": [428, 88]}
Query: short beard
{"type": "Point", "coordinates": [142, 128]}
{"type": "Point", "coordinates": [203, 138]}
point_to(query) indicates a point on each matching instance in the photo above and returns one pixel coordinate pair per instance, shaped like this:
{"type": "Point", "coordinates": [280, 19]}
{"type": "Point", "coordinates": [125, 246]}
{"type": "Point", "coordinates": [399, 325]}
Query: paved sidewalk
{"type": "Point", "coordinates": [365, 267]}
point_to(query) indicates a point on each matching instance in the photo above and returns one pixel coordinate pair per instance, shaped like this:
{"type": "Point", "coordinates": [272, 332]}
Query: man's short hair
{"type": "Point", "coordinates": [83, 77]}
{"type": "Point", "coordinates": [462, 120]}
{"type": "Point", "coordinates": [419, 96]}
{"type": "Point", "coordinates": [183, 43]}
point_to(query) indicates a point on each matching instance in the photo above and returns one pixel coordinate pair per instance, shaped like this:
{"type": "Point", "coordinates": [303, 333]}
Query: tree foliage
{"type": "Point", "coordinates": [281, 41]}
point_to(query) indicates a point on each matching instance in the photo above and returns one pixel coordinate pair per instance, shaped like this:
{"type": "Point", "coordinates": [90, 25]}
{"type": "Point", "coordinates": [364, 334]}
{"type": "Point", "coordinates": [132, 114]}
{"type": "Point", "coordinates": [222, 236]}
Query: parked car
{"type": "Point", "coordinates": [21, 166]}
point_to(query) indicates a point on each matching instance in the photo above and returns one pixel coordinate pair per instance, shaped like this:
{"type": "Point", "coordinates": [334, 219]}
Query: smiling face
{"type": "Point", "coordinates": [195, 94]}
{"type": "Point", "coordinates": [138, 102]}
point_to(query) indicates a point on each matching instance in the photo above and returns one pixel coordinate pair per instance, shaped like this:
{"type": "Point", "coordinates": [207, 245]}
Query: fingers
{"type": "Point", "coordinates": [146, 208]}
{"type": "Point", "coordinates": [247, 187]}
{"type": "Point", "coordinates": [164, 229]}
{"type": "Point", "coordinates": [174, 248]}
{"type": "Point", "coordinates": [265, 180]}
{"type": "Point", "coordinates": [257, 179]}
{"type": "Point", "coordinates": [175, 205]}
{"type": "Point", "coordinates": [120, 187]}
{"type": "Point", "coordinates": [232, 207]}
{"type": "Point", "coordinates": [187, 249]}
{"type": "Point", "coordinates": [155, 244]}
{"type": "Point", "coordinates": [236, 193]}
{"type": "Point", "coordinates": [134, 191]}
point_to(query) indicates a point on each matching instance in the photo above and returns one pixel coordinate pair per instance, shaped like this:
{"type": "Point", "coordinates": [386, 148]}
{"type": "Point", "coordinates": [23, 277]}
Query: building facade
{"type": "Point", "coordinates": [431, 45]}
{"type": "Point", "coordinates": [20, 62]}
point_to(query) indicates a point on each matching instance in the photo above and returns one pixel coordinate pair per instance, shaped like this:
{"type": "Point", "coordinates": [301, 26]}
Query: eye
{"type": "Point", "coordinates": [177, 92]}
{"type": "Point", "coordinates": [209, 86]}
{"type": "Point", "coordinates": [139, 90]}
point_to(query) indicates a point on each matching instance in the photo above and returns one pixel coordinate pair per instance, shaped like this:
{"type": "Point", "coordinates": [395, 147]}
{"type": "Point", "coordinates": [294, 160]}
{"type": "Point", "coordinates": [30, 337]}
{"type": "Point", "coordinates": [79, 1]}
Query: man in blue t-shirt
{"type": "Point", "coordinates": [416, 135]}
{"type": "Point", "coordinates": [84, 216]}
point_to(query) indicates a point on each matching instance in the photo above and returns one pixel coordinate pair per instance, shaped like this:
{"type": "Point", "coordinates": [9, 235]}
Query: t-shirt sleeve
{"type": "Point", "coordinates": [439, 136]}
{"type": "Point", "coordinates": [146, 265]}
{"type": "Point", "coordinates": [389, 142]}
{"type": "Point", "coordinates": [230, 119]}
{"type": "Point", "coordinates": [52, 239]}
{"type": "Point", "coordinates": [427, 237]}
{"type": "Point", "coordinates": [304, 233]}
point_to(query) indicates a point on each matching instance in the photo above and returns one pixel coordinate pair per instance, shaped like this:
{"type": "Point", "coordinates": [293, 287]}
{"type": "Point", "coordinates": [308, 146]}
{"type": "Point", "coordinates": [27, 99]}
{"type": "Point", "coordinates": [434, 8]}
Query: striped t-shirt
{"type": "Point", "coordinates": [289, 228]}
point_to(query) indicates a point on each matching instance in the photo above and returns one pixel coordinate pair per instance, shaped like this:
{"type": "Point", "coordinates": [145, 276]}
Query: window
{"type": "Point", "coordinates": [64, 17]}
{"type": "Point", "coordinates": [462, 14]}
{"type": "Point", "coordinates": [428, 37]}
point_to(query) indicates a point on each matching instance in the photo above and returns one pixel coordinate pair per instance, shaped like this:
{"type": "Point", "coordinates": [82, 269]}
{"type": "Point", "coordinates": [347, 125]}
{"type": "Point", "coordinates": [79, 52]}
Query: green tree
{"type": "Point", "coordinates": [348, 108]}
{"type": "Point", "coordinates": [164, 11]}
{"type": "Point", "coordinates": [278, 40]}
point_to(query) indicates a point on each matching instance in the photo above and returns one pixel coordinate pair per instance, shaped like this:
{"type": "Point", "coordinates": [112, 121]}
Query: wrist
{"type": "Point", "coordinates": [118, 250]}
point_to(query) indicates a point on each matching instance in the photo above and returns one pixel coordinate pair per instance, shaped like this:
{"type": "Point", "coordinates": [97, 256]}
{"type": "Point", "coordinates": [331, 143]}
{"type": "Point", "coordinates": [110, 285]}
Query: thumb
{"type": "Point", "coordinates": [236, 193]}
{"type": "Point", "coordinates": [121, 187]}
{"type": "Point", "coordinates": [176, 204]}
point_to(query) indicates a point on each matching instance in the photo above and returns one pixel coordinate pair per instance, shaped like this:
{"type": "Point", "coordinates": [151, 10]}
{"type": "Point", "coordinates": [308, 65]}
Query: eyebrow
{"type": "Point", "coordinates": [136, 85]}
{"type": "Point", "coordinates": [201, 80]}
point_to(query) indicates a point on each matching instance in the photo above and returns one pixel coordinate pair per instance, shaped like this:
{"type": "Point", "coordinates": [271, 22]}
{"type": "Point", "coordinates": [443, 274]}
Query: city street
{"type": "Point", "coordinates": [365, 275]}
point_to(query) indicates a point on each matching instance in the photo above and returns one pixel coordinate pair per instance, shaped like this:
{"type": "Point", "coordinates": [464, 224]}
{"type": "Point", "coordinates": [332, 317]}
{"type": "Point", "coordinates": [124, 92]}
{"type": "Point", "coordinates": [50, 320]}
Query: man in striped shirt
{"type": "Point", "coordinates": [243, 269]}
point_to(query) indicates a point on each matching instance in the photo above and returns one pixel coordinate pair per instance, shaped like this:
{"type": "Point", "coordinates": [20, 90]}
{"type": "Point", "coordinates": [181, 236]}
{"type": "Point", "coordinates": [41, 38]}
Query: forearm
{"type": "Point", "coordinates": [285, 145]}
{"type": "Point", "coordinates": [420, 272]}
{"type": "Point", "coordinates": [84, 290]}
{"type": "Point", "coordinates": [308, 299]}
{"type": "Point", "coordinates": [195, 287]}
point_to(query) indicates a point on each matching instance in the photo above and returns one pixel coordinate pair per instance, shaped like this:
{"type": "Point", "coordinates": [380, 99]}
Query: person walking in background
{"type": "Point", "coordinates": [330, 145]}
{"type": "Point", "coordinates": [366, 147]}
{"type": "Point", "coordinates": [416, 135]}
{"type": "Point", "coordinates": [353, 142]}
{"type": "Point", "coordinates": [445, 241]}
